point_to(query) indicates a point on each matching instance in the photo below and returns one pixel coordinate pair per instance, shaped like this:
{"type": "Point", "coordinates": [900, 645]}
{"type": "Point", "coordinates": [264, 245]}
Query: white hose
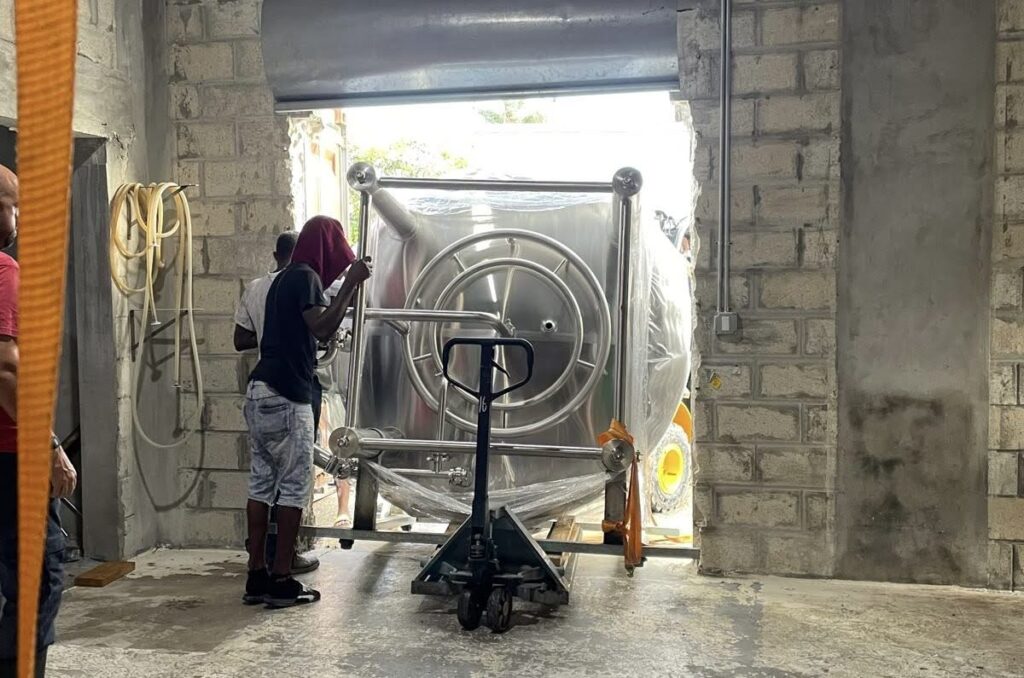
{"type": "Point", "coordinates": [145, 215]}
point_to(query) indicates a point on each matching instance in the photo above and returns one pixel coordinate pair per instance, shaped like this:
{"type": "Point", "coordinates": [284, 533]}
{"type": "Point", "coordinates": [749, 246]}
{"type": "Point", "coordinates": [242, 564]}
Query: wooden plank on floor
{"type": "Point", "coordinates": [105, 573]}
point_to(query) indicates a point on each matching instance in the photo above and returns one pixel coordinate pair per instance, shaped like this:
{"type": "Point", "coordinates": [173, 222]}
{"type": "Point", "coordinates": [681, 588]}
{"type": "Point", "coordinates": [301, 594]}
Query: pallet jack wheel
{"type": "Point", "coordinates": [469, 611]}
{"type": "Point", "coordinates": [499, 610]}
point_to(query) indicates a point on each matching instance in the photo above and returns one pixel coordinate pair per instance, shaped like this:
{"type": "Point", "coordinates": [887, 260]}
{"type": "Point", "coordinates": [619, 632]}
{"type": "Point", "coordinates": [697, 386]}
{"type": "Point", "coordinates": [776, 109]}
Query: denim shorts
{"type": "Point", "coordinates": [280, 447]}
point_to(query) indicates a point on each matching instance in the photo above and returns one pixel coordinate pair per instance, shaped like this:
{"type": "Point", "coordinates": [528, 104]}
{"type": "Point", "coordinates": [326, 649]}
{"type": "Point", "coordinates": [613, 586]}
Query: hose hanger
{"type": "Point", "coordinates": [138, 257]}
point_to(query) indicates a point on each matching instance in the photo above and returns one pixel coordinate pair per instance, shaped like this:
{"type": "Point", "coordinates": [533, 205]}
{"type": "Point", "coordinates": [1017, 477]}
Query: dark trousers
{"type": "Point", "coordinates": [52, 584]}
{"type": "Point", "coordinates": [318, 399]}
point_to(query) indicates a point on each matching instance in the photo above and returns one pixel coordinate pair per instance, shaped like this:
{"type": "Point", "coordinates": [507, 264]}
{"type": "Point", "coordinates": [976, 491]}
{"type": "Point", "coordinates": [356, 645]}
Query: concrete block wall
{"type": "Point", "coordinates": [1006, 397]}
{"type": "Point", "coordinates": [766, 413]}
{"type": "Point", "coordinates": [227, 141]}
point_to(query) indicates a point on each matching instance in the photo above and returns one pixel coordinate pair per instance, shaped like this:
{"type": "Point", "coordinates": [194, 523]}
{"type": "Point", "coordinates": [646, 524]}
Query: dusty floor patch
{"type": "Point", "coordinates": [180, 615]}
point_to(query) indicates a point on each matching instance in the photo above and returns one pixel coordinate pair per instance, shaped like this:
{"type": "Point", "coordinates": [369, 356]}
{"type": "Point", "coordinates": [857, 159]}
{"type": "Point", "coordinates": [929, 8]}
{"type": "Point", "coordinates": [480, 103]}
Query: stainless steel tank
{"type": "Point", "coordinates": [545, 266]}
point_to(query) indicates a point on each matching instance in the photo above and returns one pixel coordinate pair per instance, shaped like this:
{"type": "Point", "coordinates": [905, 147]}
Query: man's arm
{"type": "Point", "coordinates": [63, 478]}
{"type": "Point", "coordinates": [324, 323]}
{"type": "Point", "coordinates": [245, 339]}
{"type": "Point", "coordinates": [9, 358]}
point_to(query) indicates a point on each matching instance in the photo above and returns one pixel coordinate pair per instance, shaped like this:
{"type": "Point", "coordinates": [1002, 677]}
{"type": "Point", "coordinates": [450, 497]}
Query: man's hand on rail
{"type": "Point", "coordinates": [64, 478]}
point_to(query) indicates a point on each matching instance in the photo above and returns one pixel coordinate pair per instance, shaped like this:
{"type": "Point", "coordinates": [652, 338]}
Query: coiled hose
{"type": "Point", "coordinates": [141, 208]}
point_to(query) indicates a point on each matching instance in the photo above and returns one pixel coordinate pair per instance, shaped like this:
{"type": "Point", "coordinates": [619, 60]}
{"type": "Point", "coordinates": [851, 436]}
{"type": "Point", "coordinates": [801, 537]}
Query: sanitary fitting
{"type": "Point", "coordinates": [458, 477]}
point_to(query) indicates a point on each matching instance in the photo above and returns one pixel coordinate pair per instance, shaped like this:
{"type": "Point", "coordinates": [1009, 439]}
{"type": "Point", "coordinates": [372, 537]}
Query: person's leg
{"type": "Point", "coordinates": [267, 419]}
{"type": "Point", "coordinates": [256, 513]}
{"type": "Point", "coordinates": [9, 591]}
{"type": "Point", "coordinates": [51, 586]}
{"type": "Point", "coordinates": [295, 468]}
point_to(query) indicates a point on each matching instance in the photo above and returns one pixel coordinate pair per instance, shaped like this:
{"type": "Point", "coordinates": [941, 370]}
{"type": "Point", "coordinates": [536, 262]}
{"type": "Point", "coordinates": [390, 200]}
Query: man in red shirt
{"type": "Point", "coordinates": [64, 477]}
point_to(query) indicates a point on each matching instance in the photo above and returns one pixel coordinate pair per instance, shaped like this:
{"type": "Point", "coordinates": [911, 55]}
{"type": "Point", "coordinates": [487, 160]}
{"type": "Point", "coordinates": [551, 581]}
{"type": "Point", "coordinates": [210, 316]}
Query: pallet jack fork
{"type": "Point", "coordinates": [492, 557]}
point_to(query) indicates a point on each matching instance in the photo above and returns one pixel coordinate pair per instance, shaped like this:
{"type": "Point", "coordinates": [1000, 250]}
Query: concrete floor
{"type": "Point", "coordinates": [179, 615]}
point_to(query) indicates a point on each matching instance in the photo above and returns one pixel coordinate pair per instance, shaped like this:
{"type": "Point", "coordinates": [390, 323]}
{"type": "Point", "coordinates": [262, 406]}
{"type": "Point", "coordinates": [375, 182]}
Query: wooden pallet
{"type": "Point", "coordinates": [565, 529]}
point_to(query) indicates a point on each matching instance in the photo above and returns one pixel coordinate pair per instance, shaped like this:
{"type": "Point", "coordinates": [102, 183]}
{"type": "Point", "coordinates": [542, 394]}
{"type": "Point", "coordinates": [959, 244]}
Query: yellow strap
{"type": "Point", "coordinates": [45, 37]}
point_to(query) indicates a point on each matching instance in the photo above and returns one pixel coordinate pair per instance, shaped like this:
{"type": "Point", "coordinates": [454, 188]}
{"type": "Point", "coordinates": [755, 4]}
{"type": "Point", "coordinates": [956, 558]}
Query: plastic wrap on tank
{"type": "Point", "coordinates": [531, 503]}
{"type": "Point", "coordinates": [659, 319]}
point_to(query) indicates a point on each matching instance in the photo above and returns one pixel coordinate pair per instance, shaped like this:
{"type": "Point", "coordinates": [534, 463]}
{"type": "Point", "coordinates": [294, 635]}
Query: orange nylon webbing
{"type": "Point", "coordinates": [45, 37]}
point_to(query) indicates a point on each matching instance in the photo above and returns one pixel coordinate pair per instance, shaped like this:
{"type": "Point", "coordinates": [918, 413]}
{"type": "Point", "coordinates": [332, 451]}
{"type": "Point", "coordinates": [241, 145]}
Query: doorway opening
{"type": "Point", "coordinates": [578, 139]}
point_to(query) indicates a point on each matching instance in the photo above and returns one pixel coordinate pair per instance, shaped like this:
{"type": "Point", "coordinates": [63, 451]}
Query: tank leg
{"type": "Point", "coordinates": [615, 506]}
{"type": "Point", "coordinates": [365, 514]}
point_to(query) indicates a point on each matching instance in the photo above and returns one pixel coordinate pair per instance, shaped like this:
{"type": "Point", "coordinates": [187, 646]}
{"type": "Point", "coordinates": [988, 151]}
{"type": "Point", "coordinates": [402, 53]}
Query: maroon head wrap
{"type": "Point", "coordinates": [322, 246]}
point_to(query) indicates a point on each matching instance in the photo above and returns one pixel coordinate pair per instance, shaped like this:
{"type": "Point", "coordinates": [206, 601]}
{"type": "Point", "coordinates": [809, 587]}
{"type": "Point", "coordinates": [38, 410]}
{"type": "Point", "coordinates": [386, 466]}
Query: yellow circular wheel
{"type": "Point", "coordinates": [670, 471]}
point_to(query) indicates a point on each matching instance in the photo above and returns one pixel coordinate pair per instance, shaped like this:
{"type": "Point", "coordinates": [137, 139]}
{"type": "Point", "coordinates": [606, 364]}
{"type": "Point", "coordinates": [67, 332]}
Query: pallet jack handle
{"type": "Point", "coordinates": [489, 345]}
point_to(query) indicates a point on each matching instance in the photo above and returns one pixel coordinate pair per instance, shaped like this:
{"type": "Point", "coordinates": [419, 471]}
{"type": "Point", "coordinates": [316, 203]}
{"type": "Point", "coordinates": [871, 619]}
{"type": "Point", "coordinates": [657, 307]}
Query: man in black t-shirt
{"type": "Point", "coordinates": [278, 407]}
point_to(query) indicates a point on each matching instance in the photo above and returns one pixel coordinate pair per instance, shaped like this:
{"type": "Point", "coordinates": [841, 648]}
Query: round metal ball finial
{"type": "Point", "coordinates": [362, 177]}
{"type": "Point", "coordinates": [627, 182]}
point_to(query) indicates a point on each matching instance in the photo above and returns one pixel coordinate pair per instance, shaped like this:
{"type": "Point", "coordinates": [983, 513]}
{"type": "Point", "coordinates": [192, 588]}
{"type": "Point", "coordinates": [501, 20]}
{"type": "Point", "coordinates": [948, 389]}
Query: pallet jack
{"type": "Point", "coordinates": [492, 557]}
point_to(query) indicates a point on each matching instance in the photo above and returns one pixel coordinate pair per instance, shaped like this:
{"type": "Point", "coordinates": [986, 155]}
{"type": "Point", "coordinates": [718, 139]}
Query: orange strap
{"type": "Point", "coordinates": [45, 37]}
{"type": "Point", "coordinates": [630, 528]}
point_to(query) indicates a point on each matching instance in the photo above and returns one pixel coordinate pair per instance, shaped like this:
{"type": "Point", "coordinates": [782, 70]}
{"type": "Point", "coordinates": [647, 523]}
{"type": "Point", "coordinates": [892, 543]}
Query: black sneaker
{"type": "Point", "coordinates": [287, 592]}
{"type": "Point", "coordinates": [304, 564]}
{"type": "Point", "coordinates": [256, 587]}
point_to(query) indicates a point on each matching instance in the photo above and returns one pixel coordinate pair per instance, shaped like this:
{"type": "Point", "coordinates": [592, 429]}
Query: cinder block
{"type": "Point", "coordinates": [800, 466]}
{"type": "Point", "coordinates": [798, 25]}
{"type": "Point", "coordinates": [189, 173]}
{"type": "Point", "coordinates": [216, 335]}
{"type": "Point", "coordinates": [239, 178]}
{"type": "Point", "coordinates": [809, 381]}
{"type": "Point", "coordinates": [207, 139]}
{"type": "Point", "coordinates": [215, 295]}
{"type": "Point", "coordinates": [220, 375]}
{"type": "Point", "coordinates": [209, 450]}
{"type": "Point", "coordinates": [698, 75]}
{"type": "Point", "coordinates": [759, 508]}
{"type": "Point", "coordinates": [706, 116]}
{"type": "Point", "coordinates": [184, 23]}
{"type": "Point", "coordinates": [220, 490]}
{"type": "Point", "coordinates": [214, 218]}
{"type": "Point", "coordinates": [820, 424]}
{"type": "Point", "coordinates": [738, 423]}
{"type": "Point", "coordinates": [1006, 518]}
{"type": "Point", "coordinates": [806, 290]}
{"type": "Point", "coordinates": [819, 158]}
{"type": "Point", "coordinates": [1007, 337]}
{"type": "Point", "coordinates": [1008, 245]}
{"type": "Point", "coordinates": [763, 249]}
{"type": "Point", "coordinates": [1011, 428]}
{"type": "Point", "coordinates": [228, 101]}
{"type": "Point", "coordinates": [1007, 290]}
{"type": "Point", "coordinates": [202, 63]}
{"type": "Point", "coordinates": [764, 73]}
{"type": "Point", "coordinates": [821, 70]}
{"type": "Point", "coordinates": [806, 555]}
{"type": "Point", "coordinates": [764, 337]}
{"type": "Point", "coordinates": [1009, 105]}
{"type": "Point", "coordinates": [269, 216]}
{"type": "Point", "coordinates": [184, 102]}
{"type": "Point", "coordinates": [817, 507]}
{"type": "Point", "coordinates": [282, 168]}
{"type": "Point", "coordinates": [819, 247]}
{"type": "Point", "coordinates": [1002, 384]}
{"type": "Point", "coordinates": [723, 551]}
{"type": "Point", "coordinates": [7, 20]}
{"type": "Point", "coordinates": [233, 19]}
{"type": "Point", "coordinates": [246, 258]}
{"type": "Point", "coordinates": [725, 381]}
{"type": "Point", "coordinates": [267, 135]}
{"type": "Point", "coordinates": [700, 30]}
{"type": "Point", "coordinates": [766, 160]}
{"type": "Point", "coordinates": [1003, 474]}
{"type": "Point", "coordinates": [211, 528]}
{"type": "Point", "coordinates": [224, 413]}
{"type": "Point", "coordinates": [723, 463]}
{"type": "Point", "coordinates": [703, 421]}
{"type": "Point", "coordinates": [1009, 151]}
{"type": "Point", "coordinates": [793, 205]}
{"type": "Point", "coordinates": [820, 337]}
{"type": "Point", "coordinates": [706, 291]}
{"type": "Point", "coordinates": [703, 505]}
{"type": "Point", "coordinates": [1011, 16]}
{"type": "Point", "coordinates": [818, 112]}
{"type": "Point", "coordinates": [249, 60]}
{"type": "Point", "coordinates": [1009, 198]}
{"type": "Point", "coordinates": [742, 206]}
{"type": "Point", "coordinates": [1000, 564]}
{"type": "Point", "coordinates": [1009, 61]}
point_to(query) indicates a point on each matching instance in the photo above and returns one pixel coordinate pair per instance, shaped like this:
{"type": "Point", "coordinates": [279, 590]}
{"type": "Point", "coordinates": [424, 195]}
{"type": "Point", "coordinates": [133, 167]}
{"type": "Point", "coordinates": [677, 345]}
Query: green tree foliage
{"type": "Point", "coordinates": [511, 112]}
{"type": "Point", "coordinates": [402, 158]}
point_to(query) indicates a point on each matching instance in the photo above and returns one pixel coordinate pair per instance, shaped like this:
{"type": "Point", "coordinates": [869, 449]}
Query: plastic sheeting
{"type": "Point", "coordinates": [660, 325]}
{"type": "Point", "coordinates": [531, 503]}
